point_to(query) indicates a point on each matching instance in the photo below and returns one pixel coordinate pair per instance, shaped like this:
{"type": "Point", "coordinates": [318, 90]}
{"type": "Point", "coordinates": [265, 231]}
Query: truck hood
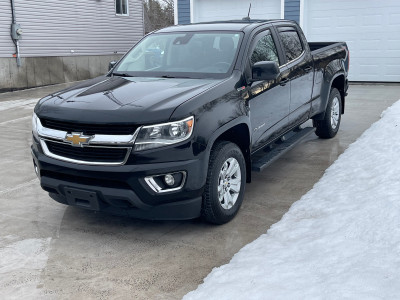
{"type": "Point", "coordinates": [121, 99]}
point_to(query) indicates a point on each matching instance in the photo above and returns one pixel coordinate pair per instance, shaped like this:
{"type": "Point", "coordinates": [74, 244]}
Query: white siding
{"type": "Point", "coordinates": [6, 45]}
{"type": "Point", "coordinates": [212, 10]}
{"type": "Point", "coordinates": [371, 29]}
{"type": "Point", "coordinates": [55, 27]}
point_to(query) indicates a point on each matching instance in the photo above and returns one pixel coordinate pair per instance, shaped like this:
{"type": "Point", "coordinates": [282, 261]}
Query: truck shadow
{"type": "Point", "coordinates": [142, 259]}
{"type": "Point", "coordinates": [100, 255]}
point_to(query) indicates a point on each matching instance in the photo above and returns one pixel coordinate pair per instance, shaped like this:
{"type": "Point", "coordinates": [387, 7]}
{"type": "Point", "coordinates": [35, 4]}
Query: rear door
{"type": "Point", "coordinates": [268, 100]}
{"type": "Point", "coordinates": [300, 72]}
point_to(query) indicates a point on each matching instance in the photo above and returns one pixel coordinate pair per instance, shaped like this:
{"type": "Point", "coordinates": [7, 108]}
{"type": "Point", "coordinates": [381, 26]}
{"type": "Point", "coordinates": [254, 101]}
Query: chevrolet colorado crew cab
{"type": "Point", "coordinates": [175, 128]}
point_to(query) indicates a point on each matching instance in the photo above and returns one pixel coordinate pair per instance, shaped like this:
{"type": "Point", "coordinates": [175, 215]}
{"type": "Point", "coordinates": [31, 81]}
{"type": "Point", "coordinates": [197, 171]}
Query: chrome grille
{"type": "Point", "coordinates": [95, 154]}
{"type": "Point", "coordinates": [89, 129]}
{"type": "Point", "coordinates": [98, 149]}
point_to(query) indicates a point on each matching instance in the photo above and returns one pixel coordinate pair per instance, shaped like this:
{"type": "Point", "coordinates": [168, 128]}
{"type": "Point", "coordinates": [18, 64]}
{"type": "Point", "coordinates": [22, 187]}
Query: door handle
{"type": "Point", "coordinates": [308, 69]}
{"type": "Point", "coordinates": [284, 81]}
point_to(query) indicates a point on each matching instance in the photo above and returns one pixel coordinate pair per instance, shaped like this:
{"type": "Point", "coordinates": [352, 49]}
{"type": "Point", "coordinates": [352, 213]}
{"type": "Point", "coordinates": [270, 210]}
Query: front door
{"type": "Point", "coordinates": [268, 100]}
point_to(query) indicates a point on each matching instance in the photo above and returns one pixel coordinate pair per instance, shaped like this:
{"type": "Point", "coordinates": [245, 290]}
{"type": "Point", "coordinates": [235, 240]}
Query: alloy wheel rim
{"type": "Point", "coordinates": [229, 182]}
{"type": "Point", "coordinates": [335, 113]}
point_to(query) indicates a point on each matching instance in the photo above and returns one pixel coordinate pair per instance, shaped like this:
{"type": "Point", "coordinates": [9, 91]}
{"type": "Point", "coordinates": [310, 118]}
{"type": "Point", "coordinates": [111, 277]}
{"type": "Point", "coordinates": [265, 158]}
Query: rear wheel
{"type": "Point", "coordinates": [329, 126]}
{"type": "Point", "coordinates": [225, 184]}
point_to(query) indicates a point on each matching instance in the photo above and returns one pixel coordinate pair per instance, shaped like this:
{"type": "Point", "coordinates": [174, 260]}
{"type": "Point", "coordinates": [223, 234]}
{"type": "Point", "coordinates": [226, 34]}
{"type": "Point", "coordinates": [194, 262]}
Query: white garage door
{"type": "Point", "coordinates": [216, 10]}
{"type": "Point", "coordinates": [371, 29]}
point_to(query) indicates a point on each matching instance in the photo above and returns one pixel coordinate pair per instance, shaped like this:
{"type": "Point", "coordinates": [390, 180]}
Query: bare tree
{"type": "Point", "coordinates": [158, 14]}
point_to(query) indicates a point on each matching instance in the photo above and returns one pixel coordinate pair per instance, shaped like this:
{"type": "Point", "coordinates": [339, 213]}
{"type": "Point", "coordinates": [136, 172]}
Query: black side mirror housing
{"type": "Point", "coordinates": [264, 70]}
{"type": "Point", "coordinates": [111, 65]}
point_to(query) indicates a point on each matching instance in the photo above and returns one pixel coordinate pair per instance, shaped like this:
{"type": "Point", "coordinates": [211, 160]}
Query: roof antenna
{"type": "Point", "coordinates": [248, 15]}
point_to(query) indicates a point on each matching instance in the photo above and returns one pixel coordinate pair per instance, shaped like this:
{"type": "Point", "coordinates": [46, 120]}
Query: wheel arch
{"type": "Point", "coordinates": [338, 81]}
{"type": "Point", "coordinates": [237, 132]}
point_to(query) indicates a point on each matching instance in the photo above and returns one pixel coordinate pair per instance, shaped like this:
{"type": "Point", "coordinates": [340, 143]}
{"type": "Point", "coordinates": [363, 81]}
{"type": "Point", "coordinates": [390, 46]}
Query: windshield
{"type": "Point", "coordinates": [188, 54]}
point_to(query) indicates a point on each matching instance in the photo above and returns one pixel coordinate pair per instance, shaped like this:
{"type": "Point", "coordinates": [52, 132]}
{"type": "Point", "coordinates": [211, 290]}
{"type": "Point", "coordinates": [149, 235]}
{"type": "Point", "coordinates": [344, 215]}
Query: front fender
{"type": "Point", "coordinates": [244, 145]}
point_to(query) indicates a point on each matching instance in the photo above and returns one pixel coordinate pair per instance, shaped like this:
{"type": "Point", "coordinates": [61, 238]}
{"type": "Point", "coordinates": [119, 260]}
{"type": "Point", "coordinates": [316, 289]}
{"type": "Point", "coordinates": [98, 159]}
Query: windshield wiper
{"type": "Point", "coordinates": [169, 76]}
{"type": "Point", "coordinates": [121, 74]}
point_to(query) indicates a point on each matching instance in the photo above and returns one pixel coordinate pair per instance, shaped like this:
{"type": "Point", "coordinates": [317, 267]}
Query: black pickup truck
{"type": "Point", "coordinates": [175, 128]}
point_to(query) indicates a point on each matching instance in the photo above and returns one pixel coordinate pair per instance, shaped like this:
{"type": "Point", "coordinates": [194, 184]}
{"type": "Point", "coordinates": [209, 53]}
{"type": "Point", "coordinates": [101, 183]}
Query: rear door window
{"type": "Point", "coordinates": [291, 43]}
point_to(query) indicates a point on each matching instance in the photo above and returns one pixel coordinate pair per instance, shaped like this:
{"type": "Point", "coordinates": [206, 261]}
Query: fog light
{"type": "Point", "coordinates": [165, 183]}
{"type": "Point", "coordinates": [169, 179]}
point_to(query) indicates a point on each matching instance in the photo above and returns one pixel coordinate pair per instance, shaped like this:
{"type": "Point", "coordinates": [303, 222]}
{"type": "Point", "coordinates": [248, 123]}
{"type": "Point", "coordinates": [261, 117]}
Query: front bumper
{"type": "Point", "coordinates": [122, 190]}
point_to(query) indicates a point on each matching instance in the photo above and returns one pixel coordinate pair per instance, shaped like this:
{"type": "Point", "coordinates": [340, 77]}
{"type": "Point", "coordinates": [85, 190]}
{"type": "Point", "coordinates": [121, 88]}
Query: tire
{"type": "Point", "coordinates": [219, 207]}
{"type": "Point", "coordinates": [329, 126]}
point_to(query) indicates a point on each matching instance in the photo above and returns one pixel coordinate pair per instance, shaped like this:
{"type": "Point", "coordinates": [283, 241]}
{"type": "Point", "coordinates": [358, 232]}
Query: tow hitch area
{"type": "Point", "coordinates": [82, 198]}
{"type": "Point", "coordinates": [272, 152]}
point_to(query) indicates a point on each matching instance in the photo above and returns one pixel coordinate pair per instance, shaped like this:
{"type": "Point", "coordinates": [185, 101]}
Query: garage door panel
{"type": "Point", "coordinates": [346, 21]}
{"type": "Point", "coordinates": [211, 10]}
{"type": "Point", "coordinates": [369, 69]}
{"type": "Point", "coordinates": [372, 20]}
{"type": "Point", "coordinates": [370, 28]}
{"type": "Point", "coordinates": [393, 70]}
{"type": "Point", "coordinates": [394, 19]}
{"type": "Point", "coordinates": [344, 5]}
{"type": "Point", "coordinates": [319, 23]}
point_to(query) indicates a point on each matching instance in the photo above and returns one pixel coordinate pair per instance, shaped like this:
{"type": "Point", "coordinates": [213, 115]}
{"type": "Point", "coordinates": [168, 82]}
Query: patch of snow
{"type": "Point", "coordinates": [339, 241]}
{"type": "Point", "coordinates": [4, 105]}
{"type": "Point", "coordinates": [21, 263]}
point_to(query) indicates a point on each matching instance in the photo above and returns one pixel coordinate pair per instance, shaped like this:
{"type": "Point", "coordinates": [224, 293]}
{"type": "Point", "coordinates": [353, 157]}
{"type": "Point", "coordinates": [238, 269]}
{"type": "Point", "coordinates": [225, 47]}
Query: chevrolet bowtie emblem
{"type": "Point", "coordinates": [77, 139]}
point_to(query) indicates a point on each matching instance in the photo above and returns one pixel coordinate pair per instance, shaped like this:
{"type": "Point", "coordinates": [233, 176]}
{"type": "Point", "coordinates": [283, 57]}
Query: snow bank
{"type": "Point", "coordinates": [340, 240]}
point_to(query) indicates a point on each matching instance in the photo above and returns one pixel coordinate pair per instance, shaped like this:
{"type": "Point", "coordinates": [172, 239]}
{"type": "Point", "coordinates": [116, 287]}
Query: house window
{"type": "Point", "coordinates": [121, 7]}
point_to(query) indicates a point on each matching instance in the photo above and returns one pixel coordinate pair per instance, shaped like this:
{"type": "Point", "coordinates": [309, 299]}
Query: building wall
{"type": "Point", "coordinates": [212, 10]}
{"type": "Point", "coordinates": [292, 10]}
{"type": "Point", "coordinates": [6, 45]}
{"type": "Point", "coordinates": [73, 27]}
{"type": "Point", "coordinates": [41, 71]}
{"type": "Point", "coordinates": [183, 11]}
{"type": "Point", "coordinates": [371, 31]}
{"type": "Point", "coordinates": [64, 41]}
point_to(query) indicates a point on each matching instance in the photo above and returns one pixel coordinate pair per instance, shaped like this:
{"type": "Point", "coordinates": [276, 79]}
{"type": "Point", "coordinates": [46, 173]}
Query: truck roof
{"type": "Point", "coordinates": [230, 25]}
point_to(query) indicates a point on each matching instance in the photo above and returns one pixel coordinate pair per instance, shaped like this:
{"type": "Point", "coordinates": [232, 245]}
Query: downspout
{"type": "Point", "coordinates": [12, 11]}
{"type": "Point", "coordinates": [15, 33]}
{"type": "Point", "coordinates": [143, 24]}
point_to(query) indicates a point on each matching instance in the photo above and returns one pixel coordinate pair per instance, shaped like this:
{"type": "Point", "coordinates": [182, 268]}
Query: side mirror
{"type": "Point", "coordinates": [264, 70]}
{"type": "Point", "coordinates": [111, 65]}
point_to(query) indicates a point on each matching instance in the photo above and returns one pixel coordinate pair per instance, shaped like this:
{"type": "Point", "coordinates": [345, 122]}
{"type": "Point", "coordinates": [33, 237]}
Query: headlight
{"type": "Point", "coordinates": [35, 126]}
{"type": "Point", "coordinates": [155, 136]}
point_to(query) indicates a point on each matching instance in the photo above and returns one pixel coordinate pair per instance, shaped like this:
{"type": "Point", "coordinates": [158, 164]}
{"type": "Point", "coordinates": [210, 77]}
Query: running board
{"type": "Point", "coordinates": [280, 147]}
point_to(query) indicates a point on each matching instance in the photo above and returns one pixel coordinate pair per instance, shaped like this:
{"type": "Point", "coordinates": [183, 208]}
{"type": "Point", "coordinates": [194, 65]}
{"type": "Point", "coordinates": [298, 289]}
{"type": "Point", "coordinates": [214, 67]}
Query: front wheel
{"type": "Point", "coordinates": [225, 184]}
{"type": "Point", "coordinates": [329, 126]}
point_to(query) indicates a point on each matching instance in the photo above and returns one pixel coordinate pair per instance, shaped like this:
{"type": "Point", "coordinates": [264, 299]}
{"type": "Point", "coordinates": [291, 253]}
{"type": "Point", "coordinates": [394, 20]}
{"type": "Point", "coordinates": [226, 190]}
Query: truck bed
{"type": "Point", "coordinates": [314, 46]}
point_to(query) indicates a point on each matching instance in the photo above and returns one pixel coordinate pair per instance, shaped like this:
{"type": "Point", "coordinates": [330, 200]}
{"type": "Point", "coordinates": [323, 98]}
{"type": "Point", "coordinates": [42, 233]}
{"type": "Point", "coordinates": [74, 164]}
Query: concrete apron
{"type": "Point", "coordinates": [72, 253]}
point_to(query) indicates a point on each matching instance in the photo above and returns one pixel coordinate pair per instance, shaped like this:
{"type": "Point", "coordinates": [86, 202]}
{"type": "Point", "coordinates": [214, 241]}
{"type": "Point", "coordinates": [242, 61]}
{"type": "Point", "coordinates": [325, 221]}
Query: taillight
{"type": "Point", "coordinates": [348, 59]}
